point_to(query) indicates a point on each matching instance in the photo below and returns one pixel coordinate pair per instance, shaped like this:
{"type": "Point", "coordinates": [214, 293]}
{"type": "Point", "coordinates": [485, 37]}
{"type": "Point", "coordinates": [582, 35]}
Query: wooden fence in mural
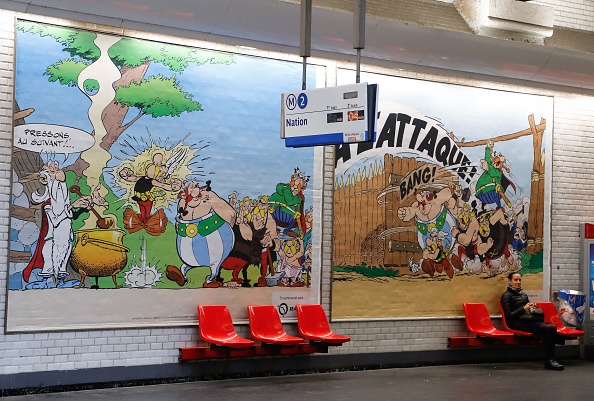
{"type": "Point", "coordinates": [359, 218]}
{"type": "Point", "coordinates": [367, 229]}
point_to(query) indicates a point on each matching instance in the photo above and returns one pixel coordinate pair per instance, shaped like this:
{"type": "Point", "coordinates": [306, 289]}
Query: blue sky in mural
{"type": "Point", "coordinates": [240, 121]}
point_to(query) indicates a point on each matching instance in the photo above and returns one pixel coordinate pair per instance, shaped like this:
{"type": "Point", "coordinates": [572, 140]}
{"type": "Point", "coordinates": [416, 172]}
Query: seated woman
{"type": "Point", "coordinates": [515, 303]}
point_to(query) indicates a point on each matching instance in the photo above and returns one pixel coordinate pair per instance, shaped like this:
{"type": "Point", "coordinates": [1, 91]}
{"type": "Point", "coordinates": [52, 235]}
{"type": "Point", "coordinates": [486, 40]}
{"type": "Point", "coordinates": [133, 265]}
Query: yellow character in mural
{"type": "Point", "coordinates": [145, 187]}
{"type": "Point", "coordinates": [290, 253]}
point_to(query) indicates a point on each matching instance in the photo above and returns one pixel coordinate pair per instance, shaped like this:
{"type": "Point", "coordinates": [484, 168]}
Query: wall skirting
{"type": "Point", "coordinates": [83, 379]}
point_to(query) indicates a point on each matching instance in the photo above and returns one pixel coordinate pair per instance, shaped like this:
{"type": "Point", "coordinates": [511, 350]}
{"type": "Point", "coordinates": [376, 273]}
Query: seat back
{"type": "Point", "coordinates": [265, 322]}
{"type": "Point", "coordinates": [505, 326]}
{"type": "Point", "coordinates": [551, 313]}
{"type": "Point", "coordinates": [215, 323]}
{"type": "Point", "coordinates": [521, 333]}
{"type": "Point", "coordinates": [312, 321]}
{"type": "Point", "coordinates": [477, 316]}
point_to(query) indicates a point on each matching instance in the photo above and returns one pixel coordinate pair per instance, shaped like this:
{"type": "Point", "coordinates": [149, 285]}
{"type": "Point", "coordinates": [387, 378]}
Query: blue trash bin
{"type": "Point", "coordinates": [571, 307]}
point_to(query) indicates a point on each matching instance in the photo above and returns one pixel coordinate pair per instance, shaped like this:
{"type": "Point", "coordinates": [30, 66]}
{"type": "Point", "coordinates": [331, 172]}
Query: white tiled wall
{"type": "Point", "coordinates": [574, 14]}
{"type": "Point", "coordinates": [573, 188]}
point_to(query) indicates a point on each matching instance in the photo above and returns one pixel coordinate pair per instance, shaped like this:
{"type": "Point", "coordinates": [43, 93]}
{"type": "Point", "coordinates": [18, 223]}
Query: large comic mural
{"type": "Point", "coordinates": [149, 178]}
{"type": "Point", "coordinates": [446, 202]}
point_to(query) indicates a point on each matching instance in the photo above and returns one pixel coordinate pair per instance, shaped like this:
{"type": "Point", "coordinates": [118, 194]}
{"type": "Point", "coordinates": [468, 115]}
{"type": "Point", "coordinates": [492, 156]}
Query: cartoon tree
{"type": "Point", "coordinates": [156, 96]}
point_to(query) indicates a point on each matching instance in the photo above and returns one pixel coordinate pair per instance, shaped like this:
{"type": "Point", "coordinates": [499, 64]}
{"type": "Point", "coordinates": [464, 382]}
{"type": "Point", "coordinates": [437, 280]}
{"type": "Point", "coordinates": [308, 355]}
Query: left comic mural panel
{"type": "Point", "coordinates": [148, 178]}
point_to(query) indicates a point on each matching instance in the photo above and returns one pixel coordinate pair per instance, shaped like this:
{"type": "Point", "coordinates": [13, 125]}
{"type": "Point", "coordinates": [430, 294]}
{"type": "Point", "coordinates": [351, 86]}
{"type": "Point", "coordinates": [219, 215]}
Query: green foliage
{"type": "Point", "coordinates": [364, 270]}
{"type": "Point", "coordinates": [66, 71]}
{"type": "Point", "coordinates": [82, 45]}
{"type": "Point", "coordinates": [156, 96]}
{"type": "Point", "coordinates": [532, 263]}
{"type": "Point", "coordinates": [91, 85]}
{"type": "Point", "coordinates": [133, 53]}
{"type": "Point", "coordinates": [76, 43]}
{"type": "Point", "coordinates": [166, 97]}
{"type": "Point", "coordinates": [61, 35]}
{"type": "Point", "coordinates": [126, 52]}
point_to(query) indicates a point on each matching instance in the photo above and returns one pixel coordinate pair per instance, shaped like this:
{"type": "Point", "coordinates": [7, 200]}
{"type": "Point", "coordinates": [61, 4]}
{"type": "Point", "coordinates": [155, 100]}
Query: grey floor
{"type": "Point", "coordinates": [523, 381]}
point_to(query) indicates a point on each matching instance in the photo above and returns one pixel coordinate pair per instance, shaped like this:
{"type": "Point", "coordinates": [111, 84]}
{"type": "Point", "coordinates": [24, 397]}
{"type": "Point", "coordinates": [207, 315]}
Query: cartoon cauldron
{"type": "Point", "coordinates": [99, 253]}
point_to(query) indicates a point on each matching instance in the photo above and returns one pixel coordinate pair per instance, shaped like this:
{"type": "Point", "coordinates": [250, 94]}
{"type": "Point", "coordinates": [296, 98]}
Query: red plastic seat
{"type": "Point", "coordinates": [266, 326]}
{"type": "Point", "coordinates": [479, 322]}
{"type": "Point", "coordinates": [216, 327]}
{"type": "Point", "coordinates": [313, 325]}
{"type": "Point", "coordinates": [552, 316]}
{"type": "Point", "coordinates": [519, 332]}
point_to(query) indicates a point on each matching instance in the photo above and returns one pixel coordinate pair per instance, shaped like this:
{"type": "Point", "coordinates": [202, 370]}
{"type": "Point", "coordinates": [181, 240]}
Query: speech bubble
{"type": "Point", "coordinates": [51, 138]}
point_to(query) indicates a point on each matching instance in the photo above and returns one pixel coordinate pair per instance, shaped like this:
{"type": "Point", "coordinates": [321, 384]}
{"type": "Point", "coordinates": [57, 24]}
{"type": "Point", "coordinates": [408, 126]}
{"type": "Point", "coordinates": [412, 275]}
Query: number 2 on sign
{"type": "Point", "coordinates": [302, 100]}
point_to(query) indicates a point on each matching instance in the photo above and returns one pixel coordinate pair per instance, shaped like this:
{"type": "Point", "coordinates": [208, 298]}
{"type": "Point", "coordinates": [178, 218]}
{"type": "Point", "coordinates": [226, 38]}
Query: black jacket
{"type": "Point", "coordinates": [512, 302]}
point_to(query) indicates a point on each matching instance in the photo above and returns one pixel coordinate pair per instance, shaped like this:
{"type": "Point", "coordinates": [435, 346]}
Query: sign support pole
{"type": "Point", "coordinates": [359, 33]}
{"type": "Point", "coordinates": [305, 47]}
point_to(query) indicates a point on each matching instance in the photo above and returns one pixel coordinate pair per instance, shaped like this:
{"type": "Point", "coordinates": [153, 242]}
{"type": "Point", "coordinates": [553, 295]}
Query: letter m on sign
{"type": "Point", "coordinates": [291, 102]}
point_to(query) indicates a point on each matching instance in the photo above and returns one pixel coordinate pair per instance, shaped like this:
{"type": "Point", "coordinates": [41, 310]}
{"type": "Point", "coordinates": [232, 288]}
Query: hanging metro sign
{"type": "Point", "coordinates": [328, 116]}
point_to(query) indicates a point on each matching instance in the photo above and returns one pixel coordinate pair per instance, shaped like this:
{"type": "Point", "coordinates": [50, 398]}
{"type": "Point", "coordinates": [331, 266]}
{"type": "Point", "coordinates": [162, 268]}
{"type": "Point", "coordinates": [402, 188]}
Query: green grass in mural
{"type": "Point", "coordinates": [367, 271]}
{"type": "Point", "coordinates": [531, 264]}
{"type": "Point", "coordinates": [160, 250]}
{"type": "Point", "coordinates": [116, 204]}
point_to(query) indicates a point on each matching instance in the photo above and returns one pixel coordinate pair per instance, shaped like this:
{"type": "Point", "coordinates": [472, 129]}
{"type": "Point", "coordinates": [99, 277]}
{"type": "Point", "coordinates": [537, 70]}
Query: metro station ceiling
{"type": "Point", "coordinates": [276, 24]}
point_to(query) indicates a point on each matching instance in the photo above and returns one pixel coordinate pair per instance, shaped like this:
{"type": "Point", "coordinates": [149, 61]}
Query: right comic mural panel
{"type": "Point", "coordinates": [448, 200]}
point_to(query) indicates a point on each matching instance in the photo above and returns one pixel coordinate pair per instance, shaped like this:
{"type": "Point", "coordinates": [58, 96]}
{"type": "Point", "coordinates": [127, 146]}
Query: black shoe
{"type": "Point", "coordinates": [553, 365]}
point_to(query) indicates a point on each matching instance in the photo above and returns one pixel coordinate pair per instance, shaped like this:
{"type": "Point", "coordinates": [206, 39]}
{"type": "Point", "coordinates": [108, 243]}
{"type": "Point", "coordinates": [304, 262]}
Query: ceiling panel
{"type": "Point", "coordinates": [277, 22]}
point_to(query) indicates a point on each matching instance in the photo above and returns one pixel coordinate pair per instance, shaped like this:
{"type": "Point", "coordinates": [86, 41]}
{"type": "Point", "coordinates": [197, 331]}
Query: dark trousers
{"type": "Point", "coordinates": [545, 331]}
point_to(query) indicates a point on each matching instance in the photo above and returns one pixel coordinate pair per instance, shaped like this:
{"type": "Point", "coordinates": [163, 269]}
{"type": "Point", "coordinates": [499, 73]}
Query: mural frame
{"type": "Point", "coordinates": [392, 89]}
{"type": "Point", "coordinates": [181, 310]}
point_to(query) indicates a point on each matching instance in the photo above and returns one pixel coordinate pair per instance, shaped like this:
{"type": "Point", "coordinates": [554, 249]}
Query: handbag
{"type": "Point", "coordinates": [533, 314]}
